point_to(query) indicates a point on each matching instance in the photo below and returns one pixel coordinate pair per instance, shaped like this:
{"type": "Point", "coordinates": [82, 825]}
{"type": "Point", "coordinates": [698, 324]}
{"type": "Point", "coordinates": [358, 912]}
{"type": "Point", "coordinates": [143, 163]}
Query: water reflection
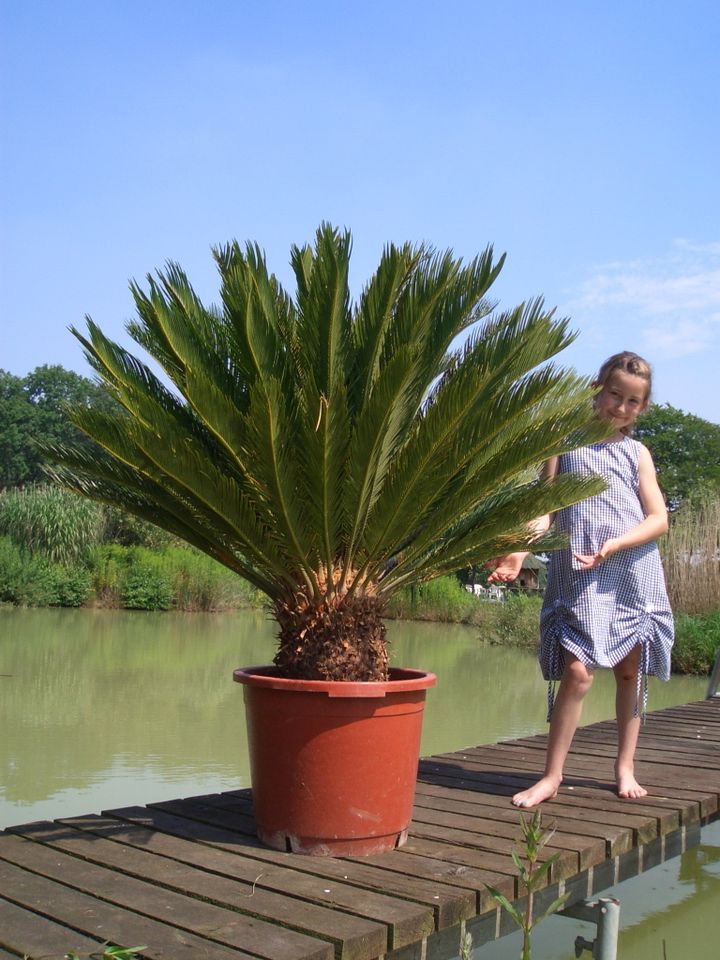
{"type": "Point", "coordinates": [99, 708]}
{"type": "Point", "coordinates": [111, 704]}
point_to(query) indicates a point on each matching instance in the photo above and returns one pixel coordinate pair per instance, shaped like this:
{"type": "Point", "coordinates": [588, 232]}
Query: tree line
{"type": "Point", "coordinates": [32, 408]}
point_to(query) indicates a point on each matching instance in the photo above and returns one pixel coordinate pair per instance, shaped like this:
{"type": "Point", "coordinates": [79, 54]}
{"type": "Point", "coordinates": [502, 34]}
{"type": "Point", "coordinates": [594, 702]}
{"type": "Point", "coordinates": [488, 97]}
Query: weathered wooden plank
{"type": "Point", "coordinates": [654, 749]}
{"type": "Point", "coordinates": [686, 735]}
{"type": "Point", "coordinates": [670, 735]}
{"type": "Point", "coordinates": [227, 927]}
{"type": "Point", "coordinates": [533, 753]}
{"type": "Point", "coordinates": [643, 824]}
{"type": "Point", "coordinates": [657, 749]}
{"type": "Point", "coordinates": [656, 777]}
{"type": "Point", "coordinates": [29, 933]}
{"type": "Point", "coordinates": [622, 837]}
{"type": "Point", "coordinates": [356, 938]}
{"type": "Point", "coordinates": [685, 729]}
{"type": "Point", "coordinates": [601, 760]}
{"type": "Point", "coordinates": [589, 850]}
{"type": "Point", "coordinates": [500, 788]}
{"type": "Point", "coordinates": [401, 861]}
{"type": "Point", "coordinates": [106, 921]}
{"type": "Point", "coordinates": [407, 921]}
{"type": "Point", "coordinates": [659, 784]}
{"type": "Point", "coordinates": [483, 859]}
{"type": "Point", "coordinates": [568, 863]}
{"type": "Point", "coordinates": [649, 741]}
{"type": "Point", "coordinates": [706, 710]}
{"type": "Point", "coordinates": [450, 904]}
{"type": "Point", "coordinates": [617, 839]}
{"type": "Point", "coordinates": [698, 711]}
{"type": "Point", "coordinates": [473, 857]}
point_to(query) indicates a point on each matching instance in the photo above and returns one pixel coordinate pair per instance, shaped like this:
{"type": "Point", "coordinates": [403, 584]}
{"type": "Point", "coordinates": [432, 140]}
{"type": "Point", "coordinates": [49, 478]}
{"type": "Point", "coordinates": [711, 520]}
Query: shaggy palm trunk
{"type": "Point", "coordinates": [339, 638]}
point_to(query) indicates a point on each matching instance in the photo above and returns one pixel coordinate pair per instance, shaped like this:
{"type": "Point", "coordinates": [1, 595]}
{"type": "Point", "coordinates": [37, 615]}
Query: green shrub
{"type": "Point", "coordinates": [71, 585]}
{"type": "Point", "coordinates": [697, 641]}
{"type": "Point", "coordinates": [178, 577]}
{"type": "Point", "coordinates": [443, 599]}
{"type": "Point", "coordinates": [108, 564]}
{"type": "Point", "coordinates": [516, 621]}
{"type": "Point", "coordinates": [16, 578]}
{"type": "Point", "coordinates": [145, 586]}
{"type": "Point", "coordinates": [34, 581]}
{"type": "Point", "coordinates": [124, 529]}
{"type": "Point", "coordinates": [200, 583]}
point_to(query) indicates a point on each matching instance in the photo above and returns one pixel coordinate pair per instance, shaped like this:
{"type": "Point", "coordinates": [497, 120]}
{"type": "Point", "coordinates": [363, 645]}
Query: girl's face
{"type": "Point", "coordinates": [622, 399]}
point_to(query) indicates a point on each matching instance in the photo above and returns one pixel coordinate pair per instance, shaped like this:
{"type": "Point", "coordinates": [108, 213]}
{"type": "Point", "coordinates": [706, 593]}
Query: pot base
{"type": "Point", "coordinates": [323, 847]}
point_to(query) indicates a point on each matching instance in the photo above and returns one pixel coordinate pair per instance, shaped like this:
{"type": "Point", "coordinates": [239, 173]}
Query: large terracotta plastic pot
{"type": "Point", "coordinates": [333, 764]}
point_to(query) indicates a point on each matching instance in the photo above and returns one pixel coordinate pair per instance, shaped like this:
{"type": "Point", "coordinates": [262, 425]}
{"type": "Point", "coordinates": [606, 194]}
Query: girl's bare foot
{"type": "Point", "coordinates": [544, 789]}
{"type": "Point", "coordinates": [627, 786]}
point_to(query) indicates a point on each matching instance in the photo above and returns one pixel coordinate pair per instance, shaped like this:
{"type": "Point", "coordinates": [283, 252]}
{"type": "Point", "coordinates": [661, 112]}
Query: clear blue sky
{"type": "Point", "coordinates": [580, 137]}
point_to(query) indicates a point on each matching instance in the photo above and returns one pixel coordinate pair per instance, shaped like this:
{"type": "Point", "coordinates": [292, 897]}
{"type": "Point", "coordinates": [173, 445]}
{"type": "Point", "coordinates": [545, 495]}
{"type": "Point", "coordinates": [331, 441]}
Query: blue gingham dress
{"type": "Point", "coordinates": [600, 615]}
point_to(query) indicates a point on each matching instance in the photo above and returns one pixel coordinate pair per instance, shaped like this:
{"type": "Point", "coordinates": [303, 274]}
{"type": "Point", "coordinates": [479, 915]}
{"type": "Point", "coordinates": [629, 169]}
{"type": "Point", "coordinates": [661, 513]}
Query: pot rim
{"type": "Point", "coordinates": [401, 680]}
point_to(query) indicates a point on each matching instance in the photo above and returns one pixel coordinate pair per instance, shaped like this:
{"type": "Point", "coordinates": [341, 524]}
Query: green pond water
{"type": "Point", "coordinates": [101, 709]}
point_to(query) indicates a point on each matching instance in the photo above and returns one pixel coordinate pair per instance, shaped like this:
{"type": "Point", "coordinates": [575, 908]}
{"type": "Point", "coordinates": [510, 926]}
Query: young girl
{"type": "Point", "coordinates": [605, 601]}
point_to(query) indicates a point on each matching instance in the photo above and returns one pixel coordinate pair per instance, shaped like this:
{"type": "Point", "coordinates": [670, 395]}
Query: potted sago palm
{"type": "Point", "coordinates": [333, 451]}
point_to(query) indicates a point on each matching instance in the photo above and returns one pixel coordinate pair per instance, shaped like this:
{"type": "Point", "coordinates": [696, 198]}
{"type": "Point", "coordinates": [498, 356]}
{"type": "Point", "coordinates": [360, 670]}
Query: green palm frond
{"type": "Point", "coordinates": [326, 448]}
{"type": "Point", "coordinates": [497, 526]}
{"type": "Point", "coordinates": [489, 418]}
{"type": "Point", "coordinates": [376, 318]}
{"type": "Point", "coordinates": [324, 324]}
{"type": "Point", "coordinates": [106, 482]}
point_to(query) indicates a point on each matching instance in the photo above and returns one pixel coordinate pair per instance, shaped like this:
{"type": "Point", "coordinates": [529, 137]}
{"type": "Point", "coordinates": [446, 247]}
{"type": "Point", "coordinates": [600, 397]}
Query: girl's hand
{"type": "Point", "coordinates": [588, 561]}
{"type": "Point", "coordinates": [507, 568]}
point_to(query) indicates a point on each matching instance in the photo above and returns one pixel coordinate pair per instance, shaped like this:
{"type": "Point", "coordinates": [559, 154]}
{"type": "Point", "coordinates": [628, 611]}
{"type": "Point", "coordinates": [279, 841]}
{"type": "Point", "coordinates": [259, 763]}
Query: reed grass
{"type": "Point", "coordinates": [48, 520]}
{"type": "Point", "coordinates": [691, 556]}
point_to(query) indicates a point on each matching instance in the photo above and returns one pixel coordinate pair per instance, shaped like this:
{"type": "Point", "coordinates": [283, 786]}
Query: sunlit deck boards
{"type": "Point", "coordinates": [188, 879]}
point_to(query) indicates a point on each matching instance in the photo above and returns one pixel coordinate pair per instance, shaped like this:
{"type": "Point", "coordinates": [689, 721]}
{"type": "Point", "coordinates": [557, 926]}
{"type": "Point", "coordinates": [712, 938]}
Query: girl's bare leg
{"type": "Point", "coordinates": [628, 725]}
{"type": "Point", "coordinates": [575, 683]}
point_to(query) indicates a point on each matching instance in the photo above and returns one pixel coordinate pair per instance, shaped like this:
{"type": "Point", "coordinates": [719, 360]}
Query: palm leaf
{"type": "Point", "coordinates": [323, 318]}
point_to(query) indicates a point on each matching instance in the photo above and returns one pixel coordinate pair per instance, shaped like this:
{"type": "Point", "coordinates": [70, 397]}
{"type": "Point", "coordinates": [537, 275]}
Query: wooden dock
{"type": "Point", "coordinates": [188, 879]}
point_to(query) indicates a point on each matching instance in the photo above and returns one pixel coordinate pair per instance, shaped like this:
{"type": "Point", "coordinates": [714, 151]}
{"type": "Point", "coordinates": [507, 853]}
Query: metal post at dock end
{"type": "Point", "coordinates": [714, 680]}
{"type": "Point", "coordinates": [605, 914]}
{"type": "Point", "coordinates": [608, 929]}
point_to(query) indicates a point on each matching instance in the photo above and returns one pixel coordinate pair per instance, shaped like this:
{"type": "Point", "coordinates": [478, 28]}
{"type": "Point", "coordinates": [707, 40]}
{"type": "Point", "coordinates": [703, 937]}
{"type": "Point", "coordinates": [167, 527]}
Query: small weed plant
{"type": "Point", "coordinates": [532, 875]}
{"type": "Point", "coordinates": [106, 951]}
{"type": "Point", "coordinates": [110, 952]}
